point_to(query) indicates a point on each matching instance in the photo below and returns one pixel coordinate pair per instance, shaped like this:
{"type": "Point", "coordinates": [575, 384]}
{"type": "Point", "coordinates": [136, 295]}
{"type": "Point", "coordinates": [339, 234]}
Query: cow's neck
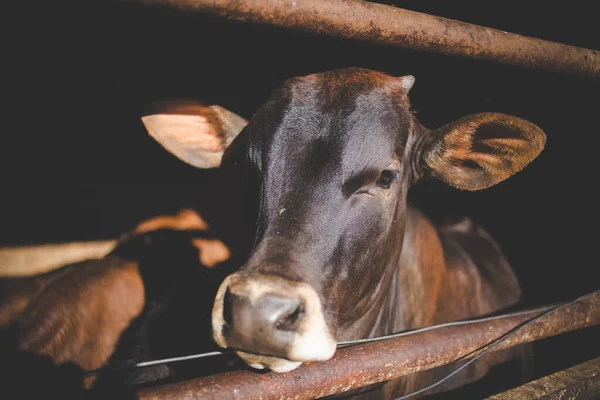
{"type": "Point", "coordinates": [409, 293]}
{"type": "Point", "coordinates": [422, 272]}
{"type": "Point", "coordinates": [428, 284]}
{"type": "Point", "coordinates": [379, 318]}
{"type": "Point", "coordinates": [440, 283]}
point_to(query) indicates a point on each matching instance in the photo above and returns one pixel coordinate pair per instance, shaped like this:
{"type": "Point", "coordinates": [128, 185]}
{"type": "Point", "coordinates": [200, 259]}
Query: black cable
{"type": "Point", "coordinates": [499, 341]}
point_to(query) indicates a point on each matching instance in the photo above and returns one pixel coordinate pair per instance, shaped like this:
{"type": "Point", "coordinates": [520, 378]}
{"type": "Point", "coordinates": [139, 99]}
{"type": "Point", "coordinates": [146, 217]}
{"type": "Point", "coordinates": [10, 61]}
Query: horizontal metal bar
{"type": "Point", "coordinates": [365, 364]}
{"type": "Point", "coordinates": [37, 259]}
{"type": "Point", "coordinates": [384, 24]}
{"type": "Point", "coordinates": [580, 382]}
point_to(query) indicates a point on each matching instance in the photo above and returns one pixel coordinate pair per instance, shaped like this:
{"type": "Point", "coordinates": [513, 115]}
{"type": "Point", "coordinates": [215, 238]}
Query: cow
{"type": "Point", "coordinates": [335, 250]}
{"type": "Point", "coordinates": [140, 302]}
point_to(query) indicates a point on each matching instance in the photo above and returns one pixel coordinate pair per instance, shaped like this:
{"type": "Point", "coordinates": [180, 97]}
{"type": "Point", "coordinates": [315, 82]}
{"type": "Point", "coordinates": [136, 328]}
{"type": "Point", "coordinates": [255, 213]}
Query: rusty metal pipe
{"type": "Point", "coordinates": [389, 25]}
{"type": "Point", "coordinates": [370, 363]}
{"type": "Point", "coordinates": [579, 382]}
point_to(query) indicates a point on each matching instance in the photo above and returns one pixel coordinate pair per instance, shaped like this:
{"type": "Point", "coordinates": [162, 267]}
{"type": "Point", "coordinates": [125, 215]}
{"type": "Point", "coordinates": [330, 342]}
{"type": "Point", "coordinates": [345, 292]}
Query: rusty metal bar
{"type": "Point", "coordinates": [37, 259]}
{"type": "Point", "coordinates": [389, 25]}
{"type": "Point", "coordinates": [370, 363]}
{"type": "Point", "coordinates": [580, 382]}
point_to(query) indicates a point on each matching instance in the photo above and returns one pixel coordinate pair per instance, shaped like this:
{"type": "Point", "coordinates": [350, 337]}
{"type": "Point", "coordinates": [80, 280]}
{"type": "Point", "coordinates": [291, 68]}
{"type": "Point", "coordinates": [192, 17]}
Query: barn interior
{"type": "Point", "coordinates": [77, 163]}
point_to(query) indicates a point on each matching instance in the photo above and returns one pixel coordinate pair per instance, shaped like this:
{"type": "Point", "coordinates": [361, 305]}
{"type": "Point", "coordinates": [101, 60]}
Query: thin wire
{"type": "Point", "coordinates": [175, 359]}
{"type": "Point", "coordinates": [499, 341]}
{"type": "Point", "coordinates": [446, 325]}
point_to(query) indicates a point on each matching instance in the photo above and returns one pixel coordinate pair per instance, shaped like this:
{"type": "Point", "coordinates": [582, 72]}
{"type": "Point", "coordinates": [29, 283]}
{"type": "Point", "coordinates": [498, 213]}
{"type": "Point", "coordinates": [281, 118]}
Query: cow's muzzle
{"type": "Point", "coordinates": [272, 322]}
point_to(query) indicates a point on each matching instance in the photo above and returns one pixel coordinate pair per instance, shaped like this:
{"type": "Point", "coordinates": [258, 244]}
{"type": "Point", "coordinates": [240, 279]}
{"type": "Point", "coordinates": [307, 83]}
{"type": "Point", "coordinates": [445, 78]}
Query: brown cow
{"type": "Point", "coordinates": [139, 301]}
{"type": "Point", "coordinates": [77, 315]}
{"type": "Point", "coordinates": [338, 254]}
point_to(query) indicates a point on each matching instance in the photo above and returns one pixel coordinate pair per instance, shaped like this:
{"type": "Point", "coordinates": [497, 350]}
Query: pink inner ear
{"type": "Point", "coordinates": [191, 138]}
{"type": "Point", "coordinates": [188, 130]}
{"type": "Point", "coordinates": [207, 139]}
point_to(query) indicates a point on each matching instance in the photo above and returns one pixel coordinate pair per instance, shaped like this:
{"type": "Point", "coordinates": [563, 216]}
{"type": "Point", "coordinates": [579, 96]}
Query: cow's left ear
{"type": "Point", "coordinates": [195, 133]}
{"type": "Point", "coordinates": [481, 150]}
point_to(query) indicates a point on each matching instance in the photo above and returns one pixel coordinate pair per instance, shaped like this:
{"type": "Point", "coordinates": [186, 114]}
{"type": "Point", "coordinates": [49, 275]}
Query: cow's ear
{"type": "Point", "coordinates": [194, 133]}
{"type": "Point", "coordinates": [481, 150]}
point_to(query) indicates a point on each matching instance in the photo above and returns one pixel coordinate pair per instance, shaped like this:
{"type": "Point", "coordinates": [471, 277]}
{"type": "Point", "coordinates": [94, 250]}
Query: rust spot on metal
{"type": "Point", "coordinates": [366, 364]}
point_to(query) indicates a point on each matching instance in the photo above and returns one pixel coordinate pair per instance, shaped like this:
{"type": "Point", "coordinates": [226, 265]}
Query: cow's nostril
{"type": "Point", "coordinates": [228, 308]}
{"type": "Point", "coordinates": [271, 319]}
{"type": "Point", "coordinates": [288, 321]}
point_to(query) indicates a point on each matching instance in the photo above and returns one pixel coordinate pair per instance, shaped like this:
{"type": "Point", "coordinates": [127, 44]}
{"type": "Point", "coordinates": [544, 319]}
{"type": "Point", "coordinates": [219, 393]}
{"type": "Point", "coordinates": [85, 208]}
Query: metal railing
{"type": "Point", "coordinates": [579, 382]}
{"type": "Point", "coordinates": [365, 364]}
{"type": "Point", "coordinates": [382, 24]}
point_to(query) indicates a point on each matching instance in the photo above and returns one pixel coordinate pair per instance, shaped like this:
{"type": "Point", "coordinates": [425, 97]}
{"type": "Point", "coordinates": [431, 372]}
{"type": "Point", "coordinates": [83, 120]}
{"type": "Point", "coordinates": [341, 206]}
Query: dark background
{"type": "Point", "coordinates": [76, 163]}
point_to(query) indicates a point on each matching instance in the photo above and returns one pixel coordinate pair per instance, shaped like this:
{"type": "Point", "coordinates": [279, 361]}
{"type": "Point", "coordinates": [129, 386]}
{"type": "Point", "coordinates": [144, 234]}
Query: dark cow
{"type": "Point", "coordinates": [149, 298]}
{"type": "Point", "coordinates": [337, 253]}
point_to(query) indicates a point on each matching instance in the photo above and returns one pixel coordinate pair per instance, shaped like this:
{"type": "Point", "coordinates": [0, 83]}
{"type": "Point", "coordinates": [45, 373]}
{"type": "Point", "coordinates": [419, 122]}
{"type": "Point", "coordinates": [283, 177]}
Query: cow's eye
{"type": "Point", "coordinates": [386, 178]}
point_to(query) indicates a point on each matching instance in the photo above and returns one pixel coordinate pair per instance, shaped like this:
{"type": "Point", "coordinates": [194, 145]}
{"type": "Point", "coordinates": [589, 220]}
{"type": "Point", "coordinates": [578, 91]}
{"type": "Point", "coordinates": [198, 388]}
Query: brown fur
{"type": "Point", "coordinates": [464, 145]}
{"type": "Point", "coordinates": [78, 317]}
{"type": "Point", "coordinates": [453, 272]}
{"type": "Point", "coordinates": [15, 294]}
{"type": "Point", "coordinates": [387, 268]}
{"type": "Point", "coordinates": [185, 219]}
{"type": "Point", "coordinates": [212, 252]}
{"type": "Point", "coordinates": [76, 314]}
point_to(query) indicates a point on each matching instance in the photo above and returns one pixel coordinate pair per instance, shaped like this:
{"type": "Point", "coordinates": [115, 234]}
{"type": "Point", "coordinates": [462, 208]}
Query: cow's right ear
{"type": "Point", "coordinates": [481, 150]}
{"type": "Point", "coordinates": [194, 133]}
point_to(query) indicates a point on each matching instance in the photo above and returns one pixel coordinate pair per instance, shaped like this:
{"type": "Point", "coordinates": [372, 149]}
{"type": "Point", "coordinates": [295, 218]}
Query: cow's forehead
{"type": "Point", "coordinates": [341, 88]}
{"type": "Point", "coordinates": [348, 114]}
{"type": "Point", "coordinates": [323, 130]}
{"type": "Point", "coordinates": [354, 79]}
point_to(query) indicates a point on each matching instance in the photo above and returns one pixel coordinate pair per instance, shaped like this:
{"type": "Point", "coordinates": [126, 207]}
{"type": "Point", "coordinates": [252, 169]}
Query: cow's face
{"type": "Point", "coordinates": [333, 156]}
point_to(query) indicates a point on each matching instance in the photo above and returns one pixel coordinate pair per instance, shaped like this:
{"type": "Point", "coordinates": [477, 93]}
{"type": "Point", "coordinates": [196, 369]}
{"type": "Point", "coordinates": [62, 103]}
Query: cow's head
{"type": "Point", "coordinates": [331, 157]}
